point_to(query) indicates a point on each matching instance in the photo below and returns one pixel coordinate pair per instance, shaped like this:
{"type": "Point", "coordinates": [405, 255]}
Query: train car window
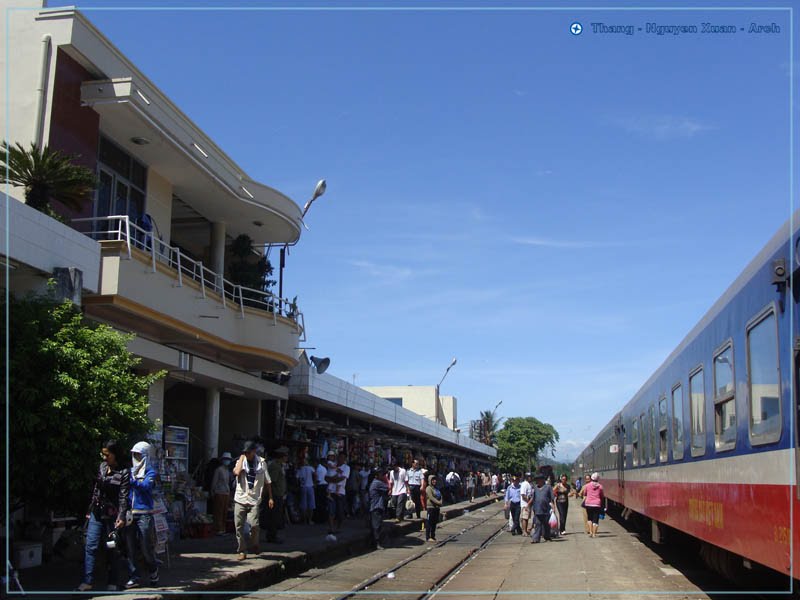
{"type": "Point", "coordinates": [663, 448]}
{"type": "Point", "coordinates": [645, 442]}
{"type": "Point", "coordinates": [635, 441]}
{"type": "Point", "coordinates": [763, 380]}
{"type": "Point", "coordinates": [697, 408]}
{"type": "Point", "coordinates": [652, 435]}
{"type": "Point", "coordinates": [724, 400]}
{"type": "Point", "coordinates": [677, 422]}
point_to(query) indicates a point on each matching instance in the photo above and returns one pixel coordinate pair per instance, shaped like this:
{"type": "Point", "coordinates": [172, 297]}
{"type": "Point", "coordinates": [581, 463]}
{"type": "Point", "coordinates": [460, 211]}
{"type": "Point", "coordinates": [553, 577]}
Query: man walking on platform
{"type": "Point", "coordinates": [513, 499]}
{"type": "Point", "coordinates": [252, 480]}
{"type": "Point", "coordinates": [541, 505]}
{"type": "Point", "coordinates": [415, 484]}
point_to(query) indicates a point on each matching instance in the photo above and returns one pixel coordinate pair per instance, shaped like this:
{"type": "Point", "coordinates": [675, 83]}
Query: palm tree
{"type": "Point", "coordinates": [46, 175]}
{"type": "Point", "coordinates": [490, 427]}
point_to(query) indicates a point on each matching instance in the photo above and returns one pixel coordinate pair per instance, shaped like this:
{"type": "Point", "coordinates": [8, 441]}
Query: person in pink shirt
{"type": "Point", "coordinates": [595, 503]}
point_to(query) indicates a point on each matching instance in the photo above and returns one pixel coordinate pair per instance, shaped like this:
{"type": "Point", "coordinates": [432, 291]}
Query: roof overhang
{"type": "Point", "coordinates": [201, 176]}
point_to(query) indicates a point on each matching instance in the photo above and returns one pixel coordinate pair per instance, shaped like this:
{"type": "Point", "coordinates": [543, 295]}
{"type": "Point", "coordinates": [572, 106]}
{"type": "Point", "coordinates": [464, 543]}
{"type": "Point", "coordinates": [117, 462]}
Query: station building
{"type": "Point", "coordinates": [148, 254]}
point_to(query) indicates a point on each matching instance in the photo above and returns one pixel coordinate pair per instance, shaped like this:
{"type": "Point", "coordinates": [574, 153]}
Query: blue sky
{"type": "Point", "coordinates": [556, 211]}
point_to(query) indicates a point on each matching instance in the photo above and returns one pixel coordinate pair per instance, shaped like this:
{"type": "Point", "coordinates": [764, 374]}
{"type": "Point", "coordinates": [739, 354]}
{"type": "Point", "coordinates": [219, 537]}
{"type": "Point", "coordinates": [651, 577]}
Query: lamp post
{"type": "Point", "coordinates": [438, 385]}
{"type": "Point", "coordinates": [318, 191]}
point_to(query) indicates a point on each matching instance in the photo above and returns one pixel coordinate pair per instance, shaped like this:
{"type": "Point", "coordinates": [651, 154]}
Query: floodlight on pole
{"type": "Point", "coordinates": [318, 191]}
{"type": "Point", "coordinates": [438, 385]}
{"type": "Point", "coordinates": [452, 364]}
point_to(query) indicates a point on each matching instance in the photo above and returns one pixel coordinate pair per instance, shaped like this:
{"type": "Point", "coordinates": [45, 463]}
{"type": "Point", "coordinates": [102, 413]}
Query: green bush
{"type": "Point", "coordinates": [71, 386]}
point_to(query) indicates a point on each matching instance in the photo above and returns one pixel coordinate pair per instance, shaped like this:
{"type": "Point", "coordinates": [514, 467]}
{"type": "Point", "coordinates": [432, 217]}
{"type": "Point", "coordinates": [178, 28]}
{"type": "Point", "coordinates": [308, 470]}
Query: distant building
{"type": "Point", "coordinates": [421, 399]}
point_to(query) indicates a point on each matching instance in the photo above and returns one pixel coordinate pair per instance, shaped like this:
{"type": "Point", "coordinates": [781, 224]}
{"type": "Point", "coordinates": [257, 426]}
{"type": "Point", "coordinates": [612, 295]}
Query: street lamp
{"type": "Point", "coordinates": [318, 191]}
{"type": "Point", "coordinates": [452, 364]}
{"type": "Point", "coordinates": [438, 385]}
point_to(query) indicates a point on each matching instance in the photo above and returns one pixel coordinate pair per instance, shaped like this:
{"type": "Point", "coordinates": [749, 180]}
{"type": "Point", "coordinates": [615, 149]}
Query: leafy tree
{"type": "Point", "coordinates": [46, 175]}
{"type": "Point", "coordinates": [520, 442]}
{"type": "Point", "coordinates": [72, 386]}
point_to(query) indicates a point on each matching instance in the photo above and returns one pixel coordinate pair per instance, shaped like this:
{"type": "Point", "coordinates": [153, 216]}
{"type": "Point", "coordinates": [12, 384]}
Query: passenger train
{"type": "Point", "coordinates": [708, 445]}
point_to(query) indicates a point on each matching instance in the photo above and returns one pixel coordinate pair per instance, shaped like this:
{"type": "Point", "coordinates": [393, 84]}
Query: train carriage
{"type": "Point", "coordinates": [708, 445]}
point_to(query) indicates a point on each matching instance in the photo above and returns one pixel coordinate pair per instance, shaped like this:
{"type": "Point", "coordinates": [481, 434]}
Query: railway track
{"type": "Point", "coordinates": [414, 571]}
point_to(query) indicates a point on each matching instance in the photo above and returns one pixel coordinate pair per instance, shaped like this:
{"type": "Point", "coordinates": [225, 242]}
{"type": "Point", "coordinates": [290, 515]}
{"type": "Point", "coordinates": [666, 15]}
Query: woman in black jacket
{"type": "Point", "coordinates": [108, 511]}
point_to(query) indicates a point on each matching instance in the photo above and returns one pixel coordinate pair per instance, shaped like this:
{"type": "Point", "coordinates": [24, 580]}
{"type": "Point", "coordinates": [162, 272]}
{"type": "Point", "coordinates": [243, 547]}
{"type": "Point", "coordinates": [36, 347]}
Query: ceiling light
{"type": "Point", "coordinates": [140, 141]}
{"type": "Point", "coordinates": [200, 150]}
{"type": "Point", "coordinates": [246, 191]}
{"type": "Point", "coordinates": [143, 97]}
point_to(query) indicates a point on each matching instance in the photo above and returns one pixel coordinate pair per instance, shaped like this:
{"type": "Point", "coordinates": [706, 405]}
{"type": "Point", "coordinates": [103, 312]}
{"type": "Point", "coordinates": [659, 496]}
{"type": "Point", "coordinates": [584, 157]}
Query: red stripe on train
{"type": "Point", "coordinates": [750, 520]}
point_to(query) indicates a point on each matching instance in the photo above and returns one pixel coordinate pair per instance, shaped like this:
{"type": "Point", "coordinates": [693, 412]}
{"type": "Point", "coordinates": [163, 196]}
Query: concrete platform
{"type": "Point", "coordinates": [210, 565]}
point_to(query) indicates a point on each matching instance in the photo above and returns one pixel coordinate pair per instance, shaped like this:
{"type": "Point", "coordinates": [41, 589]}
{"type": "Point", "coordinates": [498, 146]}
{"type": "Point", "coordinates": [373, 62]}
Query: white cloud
{"type": "Point", "coordinates": [664, 127]}
{"type": "Point", "coordinates": [387, 273]}
{"type": "Point", "coordinates": [567, 244]}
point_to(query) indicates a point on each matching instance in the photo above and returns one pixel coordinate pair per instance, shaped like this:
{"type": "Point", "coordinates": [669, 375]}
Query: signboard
{"type": "Point", "coordinates": [614, 448]}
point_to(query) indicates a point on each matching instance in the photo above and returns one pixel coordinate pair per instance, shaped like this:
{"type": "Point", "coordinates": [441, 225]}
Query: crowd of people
{"type": "Point", "coordinates": [329, 491]}
{"type": "Point", "coordinates": [538, 507]}
{"type": "Point", "coordinates": [265, 493]}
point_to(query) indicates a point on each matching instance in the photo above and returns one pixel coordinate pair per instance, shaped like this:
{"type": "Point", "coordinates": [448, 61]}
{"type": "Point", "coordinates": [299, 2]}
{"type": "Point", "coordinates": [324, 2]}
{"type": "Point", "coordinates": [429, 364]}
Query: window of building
{"type": "Point", "coordinates": [724, 399]}
{"type": "Point", "coordinates": [697, 399]}
{"type": "Point", "coordinates": [121, 183]}
{"type": "Point", "coordinates": [652, 436]}
{"type": "Point", "coordinates": [677, 422]}
{"type": "Point", "coordinates": [763, 380]}
{"type": "Point", "coordinates": [635, 441]}
{"type": "Point", "coordinates": [663, 448]}
{"type": "Point", "coordinates": [398, 401]}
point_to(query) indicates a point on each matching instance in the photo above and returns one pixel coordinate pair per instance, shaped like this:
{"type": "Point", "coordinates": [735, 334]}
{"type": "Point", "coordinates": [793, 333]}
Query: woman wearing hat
{"type": "Point", "coordinates": [595, 503]}
{"type": "Point", "coordinates": [221, 490]}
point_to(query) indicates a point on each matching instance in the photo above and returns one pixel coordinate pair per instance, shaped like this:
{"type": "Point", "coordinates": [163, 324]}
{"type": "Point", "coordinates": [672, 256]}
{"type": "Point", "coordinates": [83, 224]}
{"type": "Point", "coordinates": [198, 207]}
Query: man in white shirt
{"type": "Point", "coordinates": [495, 483]}
{"type": "Point", "coordinates": [321, 488]}
{"type": "Point", "coordinates": [305, 477]}
{"type": "Point", "coordinates": [398, 481]}
{"type": "Point", "coordinates": [415, 485]}
{"type": "Point", "coordinates": [525, 489]}
{"type": "Point", "coordinates": [252, 479]}
{"type": "Point", "coordinates": [337, 480]}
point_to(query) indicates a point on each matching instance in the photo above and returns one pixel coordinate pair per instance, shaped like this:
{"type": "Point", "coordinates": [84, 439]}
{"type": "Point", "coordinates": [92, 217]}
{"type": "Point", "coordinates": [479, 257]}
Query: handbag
{"type": "Point", "coordinates": [410, 505]}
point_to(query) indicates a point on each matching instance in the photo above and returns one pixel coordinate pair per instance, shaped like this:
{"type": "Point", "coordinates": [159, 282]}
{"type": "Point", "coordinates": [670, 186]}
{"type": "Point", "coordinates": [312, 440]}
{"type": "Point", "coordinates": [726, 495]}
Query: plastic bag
{"type": "Point", "coordinates": [553, 520]}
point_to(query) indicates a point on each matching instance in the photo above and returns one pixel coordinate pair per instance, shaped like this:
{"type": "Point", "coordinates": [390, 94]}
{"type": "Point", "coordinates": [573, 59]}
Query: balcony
{"type": "Point", "coordinates": [154, 290]}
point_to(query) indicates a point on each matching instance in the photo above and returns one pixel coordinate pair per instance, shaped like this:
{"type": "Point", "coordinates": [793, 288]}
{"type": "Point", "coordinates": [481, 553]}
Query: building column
{"type": "Point", "coordinates": [218, 250]}
{"type": "Point", "coordinates": [212, 423]}
{"type": "Point", "coordinates": [155, 403]}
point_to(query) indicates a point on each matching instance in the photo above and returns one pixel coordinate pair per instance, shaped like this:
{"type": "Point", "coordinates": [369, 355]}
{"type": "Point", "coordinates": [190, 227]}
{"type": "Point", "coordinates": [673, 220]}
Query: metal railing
{"type": "Point", "coordinates": [119, 229]}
